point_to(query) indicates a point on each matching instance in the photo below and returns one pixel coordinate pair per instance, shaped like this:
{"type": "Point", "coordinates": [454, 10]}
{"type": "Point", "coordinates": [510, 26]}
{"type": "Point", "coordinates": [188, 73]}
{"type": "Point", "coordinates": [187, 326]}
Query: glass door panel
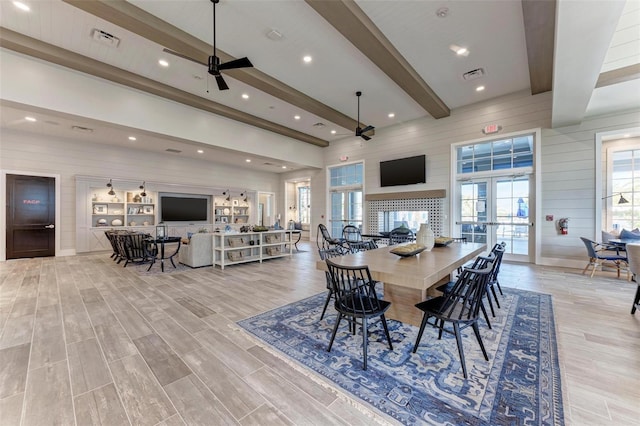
{"type": "Point", "coordinates": [346, 209]}
{"type": "Point", "coordinates": [494, 210]}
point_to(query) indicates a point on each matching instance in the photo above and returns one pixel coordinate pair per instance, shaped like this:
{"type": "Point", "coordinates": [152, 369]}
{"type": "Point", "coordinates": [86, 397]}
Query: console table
{"type": "Point", "coordinates": [242, 247]}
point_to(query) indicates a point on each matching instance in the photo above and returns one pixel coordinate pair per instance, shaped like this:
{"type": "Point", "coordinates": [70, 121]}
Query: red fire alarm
{"type": "Point", "coordinates": [491, 128]}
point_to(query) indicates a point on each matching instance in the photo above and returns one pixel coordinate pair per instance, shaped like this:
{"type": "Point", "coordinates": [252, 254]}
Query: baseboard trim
{"type": "Point", "coordinates": [67, 252]}
{"type": "Point", "coordinates": [562, 263]}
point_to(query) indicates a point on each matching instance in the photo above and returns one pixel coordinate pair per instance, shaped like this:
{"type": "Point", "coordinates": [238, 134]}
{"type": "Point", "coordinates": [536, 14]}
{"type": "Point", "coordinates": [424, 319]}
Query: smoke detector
{"type": "Point", "coordinates": [473, 74]}
{"type": "Point", "coordinates": [105, 38]}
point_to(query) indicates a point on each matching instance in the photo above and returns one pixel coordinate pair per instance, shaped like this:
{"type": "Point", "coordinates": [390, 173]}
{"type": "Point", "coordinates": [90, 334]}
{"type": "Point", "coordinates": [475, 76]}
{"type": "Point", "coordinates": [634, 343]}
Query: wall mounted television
{"type": "Point", "coordinates": [403, 171]}
{"type": "Point", "coordinates": [176, 208]}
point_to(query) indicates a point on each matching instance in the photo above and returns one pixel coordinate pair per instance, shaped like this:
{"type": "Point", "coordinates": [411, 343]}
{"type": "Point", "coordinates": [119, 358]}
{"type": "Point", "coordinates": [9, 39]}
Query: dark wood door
{"type": "Point", "coordinates": [31, 206]}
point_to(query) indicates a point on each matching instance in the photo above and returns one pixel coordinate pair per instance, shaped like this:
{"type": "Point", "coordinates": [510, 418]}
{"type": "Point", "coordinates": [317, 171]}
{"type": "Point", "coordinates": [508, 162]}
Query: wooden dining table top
{"type": "Point", "coordinates": [418, 272]}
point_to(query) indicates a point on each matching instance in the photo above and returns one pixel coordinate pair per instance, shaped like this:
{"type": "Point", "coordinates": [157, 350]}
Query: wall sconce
{"type": "Point", "coordinates": [244, 194]}
{"type": "Point", "coordinates": [228, 194]}
{"type": "Point", "coordinates": [143, 193]}
{"type": "Point", "coordinates": [622, 200]}
{"type": "Point", "coordinates": [110, 186]}
{"type": "Point", "coordinates": [292, 208]}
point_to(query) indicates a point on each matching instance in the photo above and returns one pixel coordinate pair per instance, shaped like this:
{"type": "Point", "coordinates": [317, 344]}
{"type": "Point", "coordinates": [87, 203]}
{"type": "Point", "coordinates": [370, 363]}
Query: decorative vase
{"type": "Point", "coordinates": [425, 236]}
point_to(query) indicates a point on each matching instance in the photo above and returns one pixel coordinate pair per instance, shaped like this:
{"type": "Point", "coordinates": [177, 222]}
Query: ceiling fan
{"type": "Point", "coordinates": [214, 67]}
{"type": "Point", "coordinates": [361, 131]}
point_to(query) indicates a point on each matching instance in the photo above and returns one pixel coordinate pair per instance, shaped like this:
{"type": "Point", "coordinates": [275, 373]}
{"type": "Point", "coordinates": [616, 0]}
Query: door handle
{"type": "Point", "coordinates": [50, 226]}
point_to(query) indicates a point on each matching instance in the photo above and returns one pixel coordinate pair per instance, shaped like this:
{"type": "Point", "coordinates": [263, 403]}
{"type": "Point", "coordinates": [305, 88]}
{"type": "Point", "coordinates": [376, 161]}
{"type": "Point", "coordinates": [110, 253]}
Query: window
{"type": "Point", "coordinates": [625, 180]}
{"type": "Point", "coordinates": [345, 188]}
{"type": "Point", "coordinates": [502, 154]}
{"type": "Point", "coordinates": [304, 204]}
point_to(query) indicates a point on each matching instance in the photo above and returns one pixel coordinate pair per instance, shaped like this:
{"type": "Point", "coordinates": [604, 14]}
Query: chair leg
{"type": "Point", "coordinates": [386, 331]}
{"type": "Point", "coordinates": [335, 330]}
{"type": "Point", "coordinates": [636, 301]}
{"type": "Point", "coordinates": [493, 313]}
{"type": "Point", "coordinates": [440, 329]}
{"type": "Point", "coordinates": [326, 303]}
{"type": "Point", "coordinates": [593, 271]}
{"type": "Point", "coordinates": [484, 312]}
{"type": "Point", "coordinates": [476, 330]}
{"type": "Point", "coordinates": [456, 331]}
{"type": "Point", "coordinates": [425, 317]}
{"type": "Point", "coordinates": [499, 288]}
{"type": "Point", "coordinates": [365, 336]}
{"type": "Point", "coordinates": [495, 296]}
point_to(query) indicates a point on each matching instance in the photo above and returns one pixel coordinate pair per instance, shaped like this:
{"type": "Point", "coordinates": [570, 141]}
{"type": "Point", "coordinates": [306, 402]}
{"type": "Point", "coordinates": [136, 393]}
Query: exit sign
{"type": "Point", "coordinates": [491, 128]}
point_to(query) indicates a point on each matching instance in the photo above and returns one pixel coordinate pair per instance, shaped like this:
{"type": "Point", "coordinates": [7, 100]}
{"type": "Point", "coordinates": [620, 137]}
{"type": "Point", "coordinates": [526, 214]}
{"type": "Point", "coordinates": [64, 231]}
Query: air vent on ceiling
{"type": "Point", "coordinates": [318, 125]}
{"type": "Point", "coordinates": [269, 164]}
{"type": "Point", "coordinates": [105, 38]}
{"type": "Point", "coordinates": [473, 74]}
{"type": "Point", "coordinates": [173, 151]}
{"type": "Point", "coordinates": [81, 129]}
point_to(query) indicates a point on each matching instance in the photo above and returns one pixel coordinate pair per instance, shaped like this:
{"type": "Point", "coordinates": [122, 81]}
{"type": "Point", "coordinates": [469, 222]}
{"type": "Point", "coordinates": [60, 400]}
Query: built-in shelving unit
{"type": "Point", "coordinates": [124, 208]}
{"type": "Point", "coordinates": [234, 248]}
{"type": "Point", "coordinates": [232, 210]}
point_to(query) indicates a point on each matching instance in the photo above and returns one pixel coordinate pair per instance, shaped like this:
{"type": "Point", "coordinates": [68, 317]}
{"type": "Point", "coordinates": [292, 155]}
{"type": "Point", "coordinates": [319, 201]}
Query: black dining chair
{"type": "Point", "coordinates": [460, 308]}
{"type": "Point", "coordinates": [356, 301]}
{"type": "Point", "coordinates": [357, 246]}
{"type": "Point", "coordinates": [351, 234]}
{"type": "Point", "coordinates": [324, 240]}
{"type": "Point", "coordinates": [324, 255]}
{"type": "Point", "coordinates": [633, 258]}
{"type": "Point", "coordinates": [401, 235]}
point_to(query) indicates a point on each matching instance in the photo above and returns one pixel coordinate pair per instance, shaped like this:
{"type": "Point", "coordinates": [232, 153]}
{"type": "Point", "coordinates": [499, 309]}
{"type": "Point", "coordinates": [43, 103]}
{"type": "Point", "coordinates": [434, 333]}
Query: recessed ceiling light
{"type": "Point", "coordinates": [32, 119]}
{"type": "Point", "coordinates": [21, 6]}
{"type": "Point", "coordinates": [459, 50]}
{"type": "Point", "coordinates": [307, 59]}
{"type": "Point", "coordinates": [245, 96]}
{"type": "Point", "coordinates": [284, 167]}
{"type": "Point", "coordinates": [132, 138]}
{"type": "Point", "coordinates": [200, 151]}
{"type": "Point", "coordinates": [333, 132]}
{"type": "Point", "coordinates": [248, 160]}
{"type": "Point", "coordinates": [627, 135]}
{"type": "Point", "coordinates": [391, 115]}
{"type": "Point", "coordinates": [479, 88]}
{"type": "Point", "coordinates": [163, 63]}
{"type": "Point", "coordinates": [297, 117]}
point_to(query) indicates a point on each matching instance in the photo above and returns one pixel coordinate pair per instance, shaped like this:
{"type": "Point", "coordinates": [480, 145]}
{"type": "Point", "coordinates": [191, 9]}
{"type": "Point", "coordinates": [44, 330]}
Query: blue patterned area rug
{"type": "Point", "coordinates": [520, 384]}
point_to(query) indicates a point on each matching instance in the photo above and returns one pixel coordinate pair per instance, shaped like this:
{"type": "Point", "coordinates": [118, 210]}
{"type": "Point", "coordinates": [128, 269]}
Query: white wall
{"type": "Point", "coordinates": [31, 153]}
{"type": "Point", "coordinates": [567, 163]}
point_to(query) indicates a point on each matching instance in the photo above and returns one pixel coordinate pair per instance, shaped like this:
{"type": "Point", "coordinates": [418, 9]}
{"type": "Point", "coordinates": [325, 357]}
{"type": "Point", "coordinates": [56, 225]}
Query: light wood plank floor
{"type": "Point", "coordinates": [85, 341]}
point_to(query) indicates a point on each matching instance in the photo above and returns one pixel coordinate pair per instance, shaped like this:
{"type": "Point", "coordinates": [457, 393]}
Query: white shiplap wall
{"type": "Point", "coordinates": [567, 163]}
{"type": "Point", "coordinates": [32, 153]}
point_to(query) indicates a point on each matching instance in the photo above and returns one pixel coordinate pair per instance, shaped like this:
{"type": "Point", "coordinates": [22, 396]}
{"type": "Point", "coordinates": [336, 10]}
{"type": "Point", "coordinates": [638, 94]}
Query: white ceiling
{"type": "Point", "coordinates": [493, 31]}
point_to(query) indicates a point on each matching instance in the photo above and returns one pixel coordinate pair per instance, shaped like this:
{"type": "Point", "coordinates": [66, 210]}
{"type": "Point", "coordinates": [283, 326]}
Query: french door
{"type": "Point", "coordinates": [496, 209]}
{"type": "Point", "coordinates": [346, 209]}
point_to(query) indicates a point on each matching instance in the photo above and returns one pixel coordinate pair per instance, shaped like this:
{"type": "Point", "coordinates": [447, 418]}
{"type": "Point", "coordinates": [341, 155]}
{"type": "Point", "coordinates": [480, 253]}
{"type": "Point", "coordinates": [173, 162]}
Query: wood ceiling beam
{"type": "Point", "coordinates": [144, 24]}
{"type": "Point", "coordinates": [29, 46]}
{"type": "Point", "coordinates": [632, 72]}
{"type": "Point", "coordinates": [539, 29]}
{"type": "Point", "coordinates": [355, 26]}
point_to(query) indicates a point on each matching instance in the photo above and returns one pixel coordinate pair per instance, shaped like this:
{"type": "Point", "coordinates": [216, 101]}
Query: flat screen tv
{"type": "Point", "coordinates": [403, 171]}
{"type": "Point", "coordinates": [183, 209]}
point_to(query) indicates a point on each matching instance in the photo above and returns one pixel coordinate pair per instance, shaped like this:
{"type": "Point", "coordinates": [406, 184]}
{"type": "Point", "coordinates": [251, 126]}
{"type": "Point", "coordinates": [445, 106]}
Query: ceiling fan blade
{"type": "Point", "coordinates": [222, 85]}
{"type": "Point", "coordinates": [180, 55]}
{"type": "Point", "coordinates": [365, 137]}
{"type": "Point", "coordinates": [367, 129]}
{"type": "Point", "coordinates": [236, 63]}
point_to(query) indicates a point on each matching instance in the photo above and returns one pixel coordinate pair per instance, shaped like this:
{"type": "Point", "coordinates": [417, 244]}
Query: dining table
{"type": "Point", "coordinates": [408, 280]}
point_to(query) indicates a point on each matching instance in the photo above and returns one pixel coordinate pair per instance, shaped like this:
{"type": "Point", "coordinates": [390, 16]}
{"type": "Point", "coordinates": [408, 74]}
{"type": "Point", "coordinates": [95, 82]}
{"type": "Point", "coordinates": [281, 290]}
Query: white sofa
{"type": "Point", "coordinates": [198, 252]}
